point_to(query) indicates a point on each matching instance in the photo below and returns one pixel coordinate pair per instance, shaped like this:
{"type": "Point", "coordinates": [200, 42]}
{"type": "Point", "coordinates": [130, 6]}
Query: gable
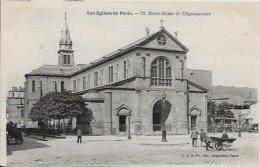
{"type": "Point", "coordinates": [164, 40]}
{"type": "Point", "coordinates": [193, 87]}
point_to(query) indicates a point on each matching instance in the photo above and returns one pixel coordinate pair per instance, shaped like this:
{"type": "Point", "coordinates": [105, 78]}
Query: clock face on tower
{"type": "Point", "coordinates": [161, 40]}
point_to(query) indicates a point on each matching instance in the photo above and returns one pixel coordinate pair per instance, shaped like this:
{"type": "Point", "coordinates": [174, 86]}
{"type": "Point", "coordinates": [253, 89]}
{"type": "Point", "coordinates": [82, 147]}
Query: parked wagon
{"type": "Point", "coordinates": [13, 134]}
{"type": "Point", "coordinates": [222, 143]}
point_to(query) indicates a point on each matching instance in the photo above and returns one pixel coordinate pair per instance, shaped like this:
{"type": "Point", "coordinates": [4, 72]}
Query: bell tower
{"type": "Point", "coordinates": [66, 56]}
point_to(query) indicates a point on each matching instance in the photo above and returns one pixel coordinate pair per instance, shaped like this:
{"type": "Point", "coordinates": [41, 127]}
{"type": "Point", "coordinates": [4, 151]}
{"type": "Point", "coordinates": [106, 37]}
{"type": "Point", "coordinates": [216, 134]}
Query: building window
{"type": "Point", "coordinates": [68, 56]}
{"type": "Point", "coordinates": [101, 77]}
{"type": "Point", "coordinates": [62, 86]}
{"type": "Point", "coordinates": [55, 86]}
{"type": "Point", "coordinates": [22, 113]}
{"type": "Point", "coordinates": [110, 74]}
{"type": "Point", "coordinates": [88, 81]}
{"type": "Point", "coordinates": [33, 86]}
{"type": "Point", "coordinates": [22, 101]}
{"type": "Point", "coordinates": [84, 82]}
{"type": "Point", "coordinates": [95, 79]}
{"type": "Point", "coordinates": [74, 85]}
{"type": "Point", "coordinates": [125, 69]}
{"type": "Point", "coordinates": [161, 72]}
{"type": "Point", "coordinates": [117, 72]}
{"type": "Point", "coordinates": [65, 59]}
{"type": "Point", "coordinates": [128, 67]}
{"type": "Point", "coordinates": [77, 87]}
{"type": "Point", "coordinates": [143, 65]}
{"type": "Point", "coordinates": [182, 68]}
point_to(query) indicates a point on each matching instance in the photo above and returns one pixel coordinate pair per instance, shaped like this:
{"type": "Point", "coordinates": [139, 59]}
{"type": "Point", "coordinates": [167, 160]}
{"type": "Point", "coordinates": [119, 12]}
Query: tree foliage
{"type": "Point", "coordinates": [60, 105]}
{"type": "Point", "coordinates": [219, 110]}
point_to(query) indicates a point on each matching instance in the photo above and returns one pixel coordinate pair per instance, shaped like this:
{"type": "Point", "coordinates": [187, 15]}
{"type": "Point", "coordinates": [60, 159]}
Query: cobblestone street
{"type": "Point", "coordinates": [114, 150]}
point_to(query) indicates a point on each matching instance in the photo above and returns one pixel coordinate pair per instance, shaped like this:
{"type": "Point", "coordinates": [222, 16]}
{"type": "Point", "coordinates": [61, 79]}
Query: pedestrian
{"type": "Point", "coordinates": [208, 142]}
{"type": "Point", "coordinates": [194, 136]}
{"type": "Point", "coordinates": [202, 137]}
{"type": "Point", "coordinates": [79, 136]}
{"type": "Point", "coordinates": [224, 135]}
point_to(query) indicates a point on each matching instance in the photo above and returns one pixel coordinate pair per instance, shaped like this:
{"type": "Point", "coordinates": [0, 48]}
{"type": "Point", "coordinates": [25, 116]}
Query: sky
{"type": "Point", "coordinates": [226, 42]}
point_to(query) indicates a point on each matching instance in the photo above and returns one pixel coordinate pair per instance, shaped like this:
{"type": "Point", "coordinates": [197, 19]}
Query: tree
{"type": "Point", "coordinates": [60, 105]}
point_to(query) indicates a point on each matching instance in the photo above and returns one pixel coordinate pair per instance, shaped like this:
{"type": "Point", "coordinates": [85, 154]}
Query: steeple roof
{"type": "Point", "coordinates": [65, 33]}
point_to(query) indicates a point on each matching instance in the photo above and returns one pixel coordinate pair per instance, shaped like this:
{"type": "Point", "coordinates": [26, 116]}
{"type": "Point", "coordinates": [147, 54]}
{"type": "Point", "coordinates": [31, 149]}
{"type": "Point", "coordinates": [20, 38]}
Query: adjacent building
{"type": "Point", "coordinates": [15, 106]}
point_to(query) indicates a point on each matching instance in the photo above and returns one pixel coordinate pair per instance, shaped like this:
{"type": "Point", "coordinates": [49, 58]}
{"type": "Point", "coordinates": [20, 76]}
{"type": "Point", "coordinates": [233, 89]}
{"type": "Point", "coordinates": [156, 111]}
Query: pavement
{"type": "Point", "coordinates": [140, 150]}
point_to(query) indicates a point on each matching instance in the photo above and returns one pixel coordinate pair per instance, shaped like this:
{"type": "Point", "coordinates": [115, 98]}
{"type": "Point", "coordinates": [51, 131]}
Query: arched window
{"type": "Point", "coordinates": [65, 59]}
{"type": "Point", "coordinates": [161, 72]}
{"type": "Point", "coordinates": [33, 86]}
{"type": "Point", "coordinates": [125, 69]}
{"type": "Point", "coordinates": [68, 59]}
{"type": "Point", "coordinates": [143, 65]}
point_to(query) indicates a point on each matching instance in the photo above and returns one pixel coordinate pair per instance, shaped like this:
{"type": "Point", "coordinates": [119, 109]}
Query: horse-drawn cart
{"type": "Point", "coordinates": [13, 135]}
{"type": "Point", "coordinates": [222, 143]}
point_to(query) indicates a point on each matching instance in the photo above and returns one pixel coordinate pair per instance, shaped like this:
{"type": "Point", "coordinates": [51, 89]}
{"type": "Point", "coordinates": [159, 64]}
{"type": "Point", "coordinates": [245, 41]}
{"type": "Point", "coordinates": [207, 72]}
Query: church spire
{"type": "Point", "coordinates": [65, 33]}
{"type": "Point", "coordinates": [66, 56]}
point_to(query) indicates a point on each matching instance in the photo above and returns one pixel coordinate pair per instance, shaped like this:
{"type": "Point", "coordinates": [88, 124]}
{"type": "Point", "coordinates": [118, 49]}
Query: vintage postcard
{"type": "Point", "coordinates": [87, 83]}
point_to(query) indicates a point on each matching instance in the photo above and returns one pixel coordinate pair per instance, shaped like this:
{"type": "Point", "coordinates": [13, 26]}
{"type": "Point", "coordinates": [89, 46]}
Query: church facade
{"type": "Point", "coordinates": [137, 86]}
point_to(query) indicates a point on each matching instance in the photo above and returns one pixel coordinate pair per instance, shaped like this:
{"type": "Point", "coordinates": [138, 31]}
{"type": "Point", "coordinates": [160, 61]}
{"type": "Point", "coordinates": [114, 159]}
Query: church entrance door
{"type": "Point", "coordinates": [193, 121]}
{"type": "Point", "coordinates": [161, 111]}
{"type": "Point", "coordinates": [122, 123]}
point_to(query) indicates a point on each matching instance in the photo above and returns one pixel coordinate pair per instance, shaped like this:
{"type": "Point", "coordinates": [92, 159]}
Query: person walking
{"type": "Point", "coordinates": [194, 136]}
{"type": "Point", "coordinates": [202, 137]}
{"type": "Point", "coordinates": [79, 134]}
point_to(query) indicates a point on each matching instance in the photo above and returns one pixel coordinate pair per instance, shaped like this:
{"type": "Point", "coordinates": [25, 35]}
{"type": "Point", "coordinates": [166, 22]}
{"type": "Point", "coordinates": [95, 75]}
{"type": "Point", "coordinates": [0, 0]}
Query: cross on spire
{"type": "Point", "coordinates": [161, 23]}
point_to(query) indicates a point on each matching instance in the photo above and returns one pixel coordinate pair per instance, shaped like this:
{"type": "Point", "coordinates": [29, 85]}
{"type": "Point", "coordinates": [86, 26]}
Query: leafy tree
{"type": "Point", "coordinates": [60, 105]}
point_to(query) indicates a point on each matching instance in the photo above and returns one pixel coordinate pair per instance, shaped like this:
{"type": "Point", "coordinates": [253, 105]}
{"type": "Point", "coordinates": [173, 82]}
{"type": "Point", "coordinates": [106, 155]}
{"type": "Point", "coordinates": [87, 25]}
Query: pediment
{"type": "Point", "coordinates": [164, 40]}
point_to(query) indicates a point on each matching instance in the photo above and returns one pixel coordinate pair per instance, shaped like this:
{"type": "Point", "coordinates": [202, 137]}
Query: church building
{"type": "Point", "coordinates": [137, 86]}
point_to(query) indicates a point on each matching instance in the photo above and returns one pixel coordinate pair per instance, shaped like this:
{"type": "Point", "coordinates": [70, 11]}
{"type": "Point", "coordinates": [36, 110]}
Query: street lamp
{"type": "Point", "coordinates": [239, 122]}
{"type": "Point", "coordinates": [162, 117]}
{"type": "Point", "coordinates": [43, 123]}
{"type": "Point", "coordinates": [129, 132]}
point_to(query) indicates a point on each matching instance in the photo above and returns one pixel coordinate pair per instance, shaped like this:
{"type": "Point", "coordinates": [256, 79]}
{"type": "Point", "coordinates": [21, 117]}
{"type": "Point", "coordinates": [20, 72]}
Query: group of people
{"type": "Point", "coordinates": [204, 138]}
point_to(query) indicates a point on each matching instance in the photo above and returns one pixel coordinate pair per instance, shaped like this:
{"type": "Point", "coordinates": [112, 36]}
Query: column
{"type": "Point", "coordinates": [206, 114]}
{"type": "Point", "coordinates": [138, 119]}
{"type": "Point", "coordinates": [107, 115]}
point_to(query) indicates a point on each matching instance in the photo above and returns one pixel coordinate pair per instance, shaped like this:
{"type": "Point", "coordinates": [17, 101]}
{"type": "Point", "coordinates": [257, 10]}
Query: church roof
{"type": "Point", "coordinates": [53, 70]}
{"type": "Point", "coordinates": [137, 44]}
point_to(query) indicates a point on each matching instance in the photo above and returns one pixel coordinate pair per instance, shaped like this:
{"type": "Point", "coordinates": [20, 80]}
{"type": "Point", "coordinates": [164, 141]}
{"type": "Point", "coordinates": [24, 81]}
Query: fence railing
{"type": "Point", "coordinates": [97, 129]}
{"type": "Point", "coordinates": [229, 128]}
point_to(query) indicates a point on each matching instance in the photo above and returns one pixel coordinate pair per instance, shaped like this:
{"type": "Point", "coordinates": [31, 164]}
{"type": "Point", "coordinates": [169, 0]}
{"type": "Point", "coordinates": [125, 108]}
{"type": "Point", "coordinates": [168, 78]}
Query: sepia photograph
{"type": "Point", "coordinates": [87, 83]}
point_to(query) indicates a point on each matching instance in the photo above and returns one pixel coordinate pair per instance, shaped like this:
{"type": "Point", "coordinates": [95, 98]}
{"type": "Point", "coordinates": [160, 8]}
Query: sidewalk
{"type": "Point", "coordinates": [143, 140]}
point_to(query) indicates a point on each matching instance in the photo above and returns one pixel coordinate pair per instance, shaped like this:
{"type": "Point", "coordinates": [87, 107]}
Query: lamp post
{"type": "Point", "coordinates": [162, 116]}
{"type": "Point", "coordinates": [239, 122]}
{"type": "Point", "coordinates": [129, 132]}
{"type": "Point", "coordinates": [43, 122]}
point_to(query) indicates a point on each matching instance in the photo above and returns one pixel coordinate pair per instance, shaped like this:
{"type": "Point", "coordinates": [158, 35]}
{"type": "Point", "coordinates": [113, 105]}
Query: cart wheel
{"type": "Point", "coordinates": [226, 145]}
{"type": "Point", "coordinates": [218, 145]}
